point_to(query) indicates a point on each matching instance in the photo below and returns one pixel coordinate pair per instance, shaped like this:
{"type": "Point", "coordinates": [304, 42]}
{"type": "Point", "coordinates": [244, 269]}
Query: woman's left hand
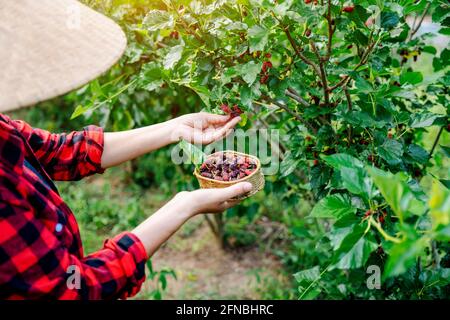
{"type": "Point", "coordinates": [202, 127]}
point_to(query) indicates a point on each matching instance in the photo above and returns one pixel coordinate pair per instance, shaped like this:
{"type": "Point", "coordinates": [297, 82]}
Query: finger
{"type": "Point", "coordinates": [230, 203]}
{"type": "Point", "coordinates": [216, 118]}
{"type": "Point", "coordinates": [233, 122]}
{"type": "Point", "coordinates": [224, 131]}
{"type": "Point", "coordinates": [208, 136]}
{"type": "Point", "coordinates": [235, 190]}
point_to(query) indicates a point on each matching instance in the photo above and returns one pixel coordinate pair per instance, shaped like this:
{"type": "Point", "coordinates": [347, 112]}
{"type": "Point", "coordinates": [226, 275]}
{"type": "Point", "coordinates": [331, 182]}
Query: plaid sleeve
{"type": "Point", "coordinates": [66, 156]}
{"type": "Point", "coordinates": [35, 264]}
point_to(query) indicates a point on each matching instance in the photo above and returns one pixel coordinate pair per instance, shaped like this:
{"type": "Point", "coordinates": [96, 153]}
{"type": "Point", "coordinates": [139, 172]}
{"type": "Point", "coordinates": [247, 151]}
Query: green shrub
{"type": "Point", "coordinates": [360, 98]}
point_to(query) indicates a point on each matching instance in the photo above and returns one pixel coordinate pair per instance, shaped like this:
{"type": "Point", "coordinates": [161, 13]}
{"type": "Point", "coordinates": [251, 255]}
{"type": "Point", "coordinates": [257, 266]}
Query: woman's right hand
{"type": "Point", "coordinates": [163, 223]}
{"type": "Point", "coordinates": [212, 200]}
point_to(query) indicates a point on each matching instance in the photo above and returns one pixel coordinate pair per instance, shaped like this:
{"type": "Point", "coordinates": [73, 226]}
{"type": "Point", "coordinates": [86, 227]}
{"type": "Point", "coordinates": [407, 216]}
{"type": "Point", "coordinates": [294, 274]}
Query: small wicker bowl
{"type": "Point", "coordinates": [256, 178]}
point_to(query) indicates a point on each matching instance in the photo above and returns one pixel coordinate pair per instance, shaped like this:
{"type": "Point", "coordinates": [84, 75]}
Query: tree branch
{"type": "Point", "coordinates": [211, 225]}
{"type": "Point", "coordinates": [436, 140]}
{"type": "Point", "coordinates": [330, 32]}
{"type": "Point", "coordinates": [416, 28]}
{"type": "Point", "coordinates": [363, 61]}
{"type": "Point", "coordinates": [350, 107]}
{"type": "Point", "coordinates": [299, 53]}
{"type": "Point", "coordinates": [291, 93]}
{"type": "Point", "coordinates": [322, 74]}
{"type": "Point", "coordinates": [295, 115]}
{"type": "Point", "coordinates": [435, 255]}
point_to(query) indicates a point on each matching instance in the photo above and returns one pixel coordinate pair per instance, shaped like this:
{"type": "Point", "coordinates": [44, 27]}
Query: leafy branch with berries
{"type": "Point", "coordinates": [359, 93]}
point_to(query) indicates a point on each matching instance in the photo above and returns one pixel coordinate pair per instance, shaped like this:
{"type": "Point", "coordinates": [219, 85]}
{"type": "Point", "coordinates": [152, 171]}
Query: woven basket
{"type": "Point", "coordinates": [256, 178]}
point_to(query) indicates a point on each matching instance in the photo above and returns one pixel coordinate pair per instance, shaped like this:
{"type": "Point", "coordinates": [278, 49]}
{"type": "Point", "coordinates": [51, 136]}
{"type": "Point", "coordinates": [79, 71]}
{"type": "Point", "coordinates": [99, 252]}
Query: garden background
{"type": "Point", "coordinates": [359, 94]}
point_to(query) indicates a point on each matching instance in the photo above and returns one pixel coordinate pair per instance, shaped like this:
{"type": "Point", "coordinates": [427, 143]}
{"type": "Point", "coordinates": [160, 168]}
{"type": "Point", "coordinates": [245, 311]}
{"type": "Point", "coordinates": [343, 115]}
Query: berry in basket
{"type": "Point", "coordinates": [227, 167]}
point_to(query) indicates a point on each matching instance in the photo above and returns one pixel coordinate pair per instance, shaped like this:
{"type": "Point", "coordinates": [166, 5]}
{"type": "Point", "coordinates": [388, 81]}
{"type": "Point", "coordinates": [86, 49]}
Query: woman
{"type": "Point", "coordinates": [50, 47]}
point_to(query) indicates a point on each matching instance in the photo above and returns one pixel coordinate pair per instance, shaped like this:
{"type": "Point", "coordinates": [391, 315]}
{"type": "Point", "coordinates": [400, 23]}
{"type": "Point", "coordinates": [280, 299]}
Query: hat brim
{"type": "Point", "coordinates": [51, 47]}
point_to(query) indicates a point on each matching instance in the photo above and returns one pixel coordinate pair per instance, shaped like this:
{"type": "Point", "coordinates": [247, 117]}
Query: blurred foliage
{"type": "Point", "coordinates": [361, 100]}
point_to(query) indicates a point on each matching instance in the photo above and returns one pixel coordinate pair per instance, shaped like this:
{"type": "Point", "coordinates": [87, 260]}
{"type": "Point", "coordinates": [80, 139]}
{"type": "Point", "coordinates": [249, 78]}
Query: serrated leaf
{"type": "Point", "coordinates": [172, 58]}
{"type": "Point", "coordinates": [307, 275]}
{"type": "Point", "coordinates": [258, 38]}
{"type": "Point", "coordinates": [158, 19]}
{"type": "Point", "coordinates": [418, 153]}
{"type": "Point", "coordinates": [389, 19]}
{"type": "Point", "coordinates": [305, 279]}
{"type": "Point", "coordinates": [151, 76]}
{"type": "Point", "coordinates": [354, 250]}
{"type": "Point", "coordinates": [288, 165]}
{"type": "Point", "coordinates": [250, 71]}
{"type": "Point", "coordinates": [202, 92]}
{"type": "Point", "coordinates": [333, 206]}
{"type": "Point", "coordinates": [391, 151]}
{"type": "Point", "coordinates": [421, 120]}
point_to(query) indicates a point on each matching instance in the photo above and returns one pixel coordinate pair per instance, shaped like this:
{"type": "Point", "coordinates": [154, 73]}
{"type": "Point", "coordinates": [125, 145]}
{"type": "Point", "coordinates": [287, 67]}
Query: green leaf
{"type": "Point", "coordinates": [418, 153]}
{"type": "Point", "coordinates": [354, 178]}
{"type": "Point", "coordinates": [305, 280]}
{"type": "Point", "coordinates": [395, 191]}
{"type": "Point", "coordinates": [288, 165]}
{"type": "Point", "coordinates": [421, 120]}
{"type": "Point", "coordinates": [79, 110]}
{"type": "Point", "coordinates": [363, 86]}
{"type": "Point", "coordinates": [249, 71]}
{"type": "Point", "coordinates": [172, 58]}
{"type": "Point", "coordinates": [341, 229]}
{"type": "Point", "coordinates": [258, 38]}
{"type": "Point", "coordinates": [411, 77]}
{"type": "Point", "coordinates": [308, 275]}
{"type": "Point", "coordinates": [354, 250]}
{"type": "Point", "coordinates": [360, 38]}
{"type": "Point", "coordinates": [246, 96]}
{"type": "Point", "coordinates": [414, 7]}
{"type": "Point", "coordinates": [403, 255]}
{"type": "Point", "coordinates": [158, 19]}
{"type": "Point", "coordinates": [334, 206]}
{"type": "Point", "coordinates": [440, 13]}
{"type": "Point", "coordinates": [429, 49]}
{"type": "Point", "coordinates": [391, 151]}
{"type": "Point", "coordinates": [445, 56]}
{"type": "Point", "coordinates": [445, 183]}
{"type": "Point", "coordinates": [446, 150]}
{"type": "Point", "coordinates": [341, 160]}
{"type": "Point", "coordinates": [445, 31]}
{"type": "Point", "coordinates": [203, 92]}
{"type": "Point", "coordinates": [439, 204]}
{"type": "Point", "coordinates": [356, 181]}
{"type": "Point", "coordinates": [151, 77]}
{"type": "Point", "coordinates": [389, 20]}
{"type": "Point", "coordinates": [359, 16]}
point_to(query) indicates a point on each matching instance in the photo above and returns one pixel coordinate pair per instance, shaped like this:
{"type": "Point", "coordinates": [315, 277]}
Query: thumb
{"type": "Point", "coordinates": [236, 190]}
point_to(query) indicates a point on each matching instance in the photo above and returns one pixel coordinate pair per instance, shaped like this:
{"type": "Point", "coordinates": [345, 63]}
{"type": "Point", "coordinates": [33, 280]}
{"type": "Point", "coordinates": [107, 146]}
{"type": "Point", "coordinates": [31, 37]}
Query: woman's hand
{"type": "Point", "coordinates": [202, 127]}
{"type": "Point", "coordinates": [212, 200]}
{"type": "Point", "coordinates": [154, 231]}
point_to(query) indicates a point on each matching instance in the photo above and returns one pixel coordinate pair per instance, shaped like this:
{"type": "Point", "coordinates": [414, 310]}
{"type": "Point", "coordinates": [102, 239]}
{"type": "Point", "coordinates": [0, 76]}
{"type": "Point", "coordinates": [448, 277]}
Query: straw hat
{"type": "Point", "coordinates": [50, 47]}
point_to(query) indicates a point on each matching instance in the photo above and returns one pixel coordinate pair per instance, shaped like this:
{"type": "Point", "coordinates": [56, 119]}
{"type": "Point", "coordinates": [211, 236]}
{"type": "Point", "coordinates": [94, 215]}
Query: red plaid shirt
{"type": "Point", "coordinates": [41, 254]}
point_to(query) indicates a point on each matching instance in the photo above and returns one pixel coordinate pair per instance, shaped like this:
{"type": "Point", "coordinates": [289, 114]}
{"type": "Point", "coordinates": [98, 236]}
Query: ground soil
{"type": "Point", "coordinates": [205, 271]}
